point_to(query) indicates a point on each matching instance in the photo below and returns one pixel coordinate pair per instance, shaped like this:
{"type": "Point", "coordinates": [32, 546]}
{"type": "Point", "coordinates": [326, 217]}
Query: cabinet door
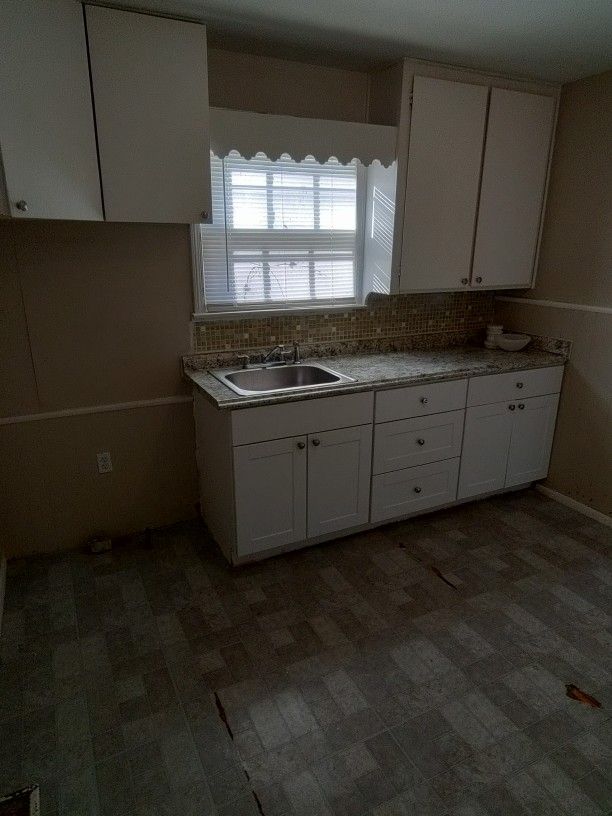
{"type": "Point", "coordinates": [150, 84]}
{"type": "Point", "coordinates": [519, 132]}
{"type": "Point", "coordinates": [532, 438]}
{"type": "Point", "coordinates": [486, 441]}
{"type": "Point", "coordinates": [47, 137]}
{"type": "Point", "coordinates": [446, 137]}
{"type": "Point", "coordinates": [339, 465]}
{"type": "Point", "coordinates": [270, 494]}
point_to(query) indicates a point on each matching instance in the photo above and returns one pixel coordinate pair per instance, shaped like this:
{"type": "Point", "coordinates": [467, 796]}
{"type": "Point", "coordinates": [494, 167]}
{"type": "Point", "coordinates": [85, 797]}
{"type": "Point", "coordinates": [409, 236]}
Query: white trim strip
{"type": "Point", "coordinates": [97, 409]}
{"type": "Point", "coordinates": [557, 304]}
{"type": "Point", "coordinates": [602, 518]}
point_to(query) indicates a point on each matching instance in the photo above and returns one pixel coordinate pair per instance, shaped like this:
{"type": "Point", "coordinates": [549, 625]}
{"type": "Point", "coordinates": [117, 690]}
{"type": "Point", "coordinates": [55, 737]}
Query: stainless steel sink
{"type": "Point", "coordinates": [277, 378]}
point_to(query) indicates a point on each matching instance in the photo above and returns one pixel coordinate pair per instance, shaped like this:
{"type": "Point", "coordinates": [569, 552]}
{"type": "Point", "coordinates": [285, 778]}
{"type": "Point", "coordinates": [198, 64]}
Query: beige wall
{"type": "Point", "coordinates": [268, 85]}
{"type": "Point", "coordinates": [576, 267]}
{"type": "Point", "coordinates": [93, 314]}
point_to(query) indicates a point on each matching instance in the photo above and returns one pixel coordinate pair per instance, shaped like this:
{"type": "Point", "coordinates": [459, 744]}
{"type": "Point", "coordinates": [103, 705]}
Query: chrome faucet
{"type": "Point", "coordinates": [267, 358]}
{"type": "Point", "coordinates": [286, 357]}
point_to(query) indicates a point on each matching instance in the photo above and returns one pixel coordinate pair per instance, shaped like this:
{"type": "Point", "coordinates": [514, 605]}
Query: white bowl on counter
{"type": "Point", "coordinates": [512, 342]}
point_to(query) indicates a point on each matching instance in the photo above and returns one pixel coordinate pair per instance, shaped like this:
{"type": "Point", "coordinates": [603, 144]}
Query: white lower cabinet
{"type": "Point", "coordinates": [338, 479]}
{"type": "Point", "coordinates": [532, 438]}
{"type": "Point", "coordinates": [289, 490]}
{"type": "Point", "coordinates": [506, 444]}
{"type": "Point", "coordinates": [486, 441]}
{"type": "Point", "coordinates": [314, 482]}
{"type": "Point", "coordinates": [413, 490]}
{"type": "Point", "coordinates": [270, 494]}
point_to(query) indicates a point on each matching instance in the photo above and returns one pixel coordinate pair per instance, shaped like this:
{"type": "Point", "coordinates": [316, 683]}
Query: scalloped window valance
{"type": "Point", "coordinates": [251, 133]}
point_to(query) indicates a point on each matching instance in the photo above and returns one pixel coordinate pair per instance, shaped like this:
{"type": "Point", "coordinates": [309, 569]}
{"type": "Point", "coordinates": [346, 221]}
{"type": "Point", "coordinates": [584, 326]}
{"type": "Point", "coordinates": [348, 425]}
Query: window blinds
{"type": "Point", "coordinates": [284, 233]}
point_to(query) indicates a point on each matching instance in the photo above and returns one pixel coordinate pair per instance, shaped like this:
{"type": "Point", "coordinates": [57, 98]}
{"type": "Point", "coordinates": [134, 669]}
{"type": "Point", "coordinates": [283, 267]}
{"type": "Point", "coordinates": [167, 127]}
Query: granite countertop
{"type": "Point", "coordinates": [374, 371]}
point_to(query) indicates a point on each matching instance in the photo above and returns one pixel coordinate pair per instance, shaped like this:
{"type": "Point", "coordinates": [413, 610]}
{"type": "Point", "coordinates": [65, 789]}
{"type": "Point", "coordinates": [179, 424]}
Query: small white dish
{"type": "Point", "coordinates": [512, 342]}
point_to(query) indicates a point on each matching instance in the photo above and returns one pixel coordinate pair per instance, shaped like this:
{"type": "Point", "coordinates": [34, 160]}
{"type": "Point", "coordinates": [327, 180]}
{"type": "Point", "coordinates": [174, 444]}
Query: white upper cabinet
{"type": "Point", "coordinates": [446, 137]}
{"type": "Point", "coordinates": [47, 136]}
{"type": "Point", "coordinates": [512, 188]}
{"type": "Point", "coordinates": [474, 202]}
{"type": "Point", "coordinates": [150, 89]}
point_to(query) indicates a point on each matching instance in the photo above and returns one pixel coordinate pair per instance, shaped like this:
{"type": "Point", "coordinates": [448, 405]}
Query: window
{"type": "Point", "coordinates": [284, 234]}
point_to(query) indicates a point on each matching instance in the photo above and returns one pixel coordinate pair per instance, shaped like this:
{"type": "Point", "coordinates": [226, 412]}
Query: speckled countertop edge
{"type": "Point", "coordinates": [375, 371]}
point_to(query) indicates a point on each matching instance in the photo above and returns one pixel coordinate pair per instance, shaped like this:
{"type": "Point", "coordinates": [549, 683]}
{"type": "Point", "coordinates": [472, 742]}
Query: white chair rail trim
{"type": "Point", "coordinates": [97, 409]}
{"type": "Point", "coordinates": [556, 304]}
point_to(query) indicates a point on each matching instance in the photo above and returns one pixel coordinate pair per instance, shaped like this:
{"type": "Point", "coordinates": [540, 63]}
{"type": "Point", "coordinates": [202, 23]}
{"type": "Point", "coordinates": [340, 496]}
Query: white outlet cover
{"type": "Point", "coordinates": [105, 463]}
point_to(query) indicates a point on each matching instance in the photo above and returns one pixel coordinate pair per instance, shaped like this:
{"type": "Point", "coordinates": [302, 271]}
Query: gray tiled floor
{"type": "Point", "coordinates": [348, 679]}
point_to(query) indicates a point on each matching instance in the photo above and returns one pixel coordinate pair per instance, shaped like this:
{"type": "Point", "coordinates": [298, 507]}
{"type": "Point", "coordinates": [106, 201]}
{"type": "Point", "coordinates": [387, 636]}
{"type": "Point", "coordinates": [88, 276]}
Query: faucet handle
{"type": "Point", "coordinates": [244, 358]}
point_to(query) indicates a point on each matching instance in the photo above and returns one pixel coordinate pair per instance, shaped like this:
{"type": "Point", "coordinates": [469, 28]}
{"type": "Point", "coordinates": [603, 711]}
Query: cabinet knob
{"type": "Point", "coordinates": [464, 281]}
{"type": "Point", "coordinates": [420, 441]}
{"type": "Point", "coordinates": [424, 400]}
{"type": "Point", "coordinates": [521, 406]}
{"type": "Point", "coordinates": [512, 407]}
{"type": "Point", "coordinates": [301, 445]}
{"type": "Point", "coordinates": [205, 215]}
{"type": "Point", "coordinates": [479, 279]}
{"type": "Point", "coordinates": [417, 489]}
{"type": "Point", "coordinates": [22, 205]}
{"type": "Point", "coordinates": [519, 385]}
{"type": "Point", "coordinates": [316, 442]}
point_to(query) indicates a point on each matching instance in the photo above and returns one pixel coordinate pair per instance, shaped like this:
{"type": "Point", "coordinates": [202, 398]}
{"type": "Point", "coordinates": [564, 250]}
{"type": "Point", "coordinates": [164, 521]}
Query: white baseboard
{"type": "Point", "coordinates": [579, 507]}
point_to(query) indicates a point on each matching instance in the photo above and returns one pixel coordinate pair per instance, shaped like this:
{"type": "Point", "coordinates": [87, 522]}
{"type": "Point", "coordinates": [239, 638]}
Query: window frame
{"type": "Point", "coordinates": [203, 311]}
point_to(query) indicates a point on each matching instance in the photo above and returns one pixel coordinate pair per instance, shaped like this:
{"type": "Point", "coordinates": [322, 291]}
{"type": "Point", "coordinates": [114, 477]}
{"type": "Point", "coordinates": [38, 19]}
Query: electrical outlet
{"type": "Point", "coordinates": [105, 463]}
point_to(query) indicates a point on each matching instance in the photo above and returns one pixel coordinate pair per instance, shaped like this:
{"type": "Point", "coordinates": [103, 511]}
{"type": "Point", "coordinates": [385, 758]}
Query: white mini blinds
{"type": "Point", "coordinates": [284, 234]}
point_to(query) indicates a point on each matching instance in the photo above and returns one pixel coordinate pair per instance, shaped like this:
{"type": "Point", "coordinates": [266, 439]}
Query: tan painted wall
{"type": "Point", "coordinates": [576, 267]}
{"type": "Point", "coordinates": [268, 85]}
{"type": "Point", "coordinates": [93, 314]}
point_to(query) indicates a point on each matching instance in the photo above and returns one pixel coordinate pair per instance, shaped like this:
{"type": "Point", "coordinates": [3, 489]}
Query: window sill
{"type": "Point", "coordinates": [208, 317]}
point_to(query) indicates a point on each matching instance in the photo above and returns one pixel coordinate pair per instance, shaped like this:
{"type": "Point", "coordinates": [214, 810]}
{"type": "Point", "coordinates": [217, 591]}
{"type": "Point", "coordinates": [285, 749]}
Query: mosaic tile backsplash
{"type": "Point", "coordinates": [451, 318]}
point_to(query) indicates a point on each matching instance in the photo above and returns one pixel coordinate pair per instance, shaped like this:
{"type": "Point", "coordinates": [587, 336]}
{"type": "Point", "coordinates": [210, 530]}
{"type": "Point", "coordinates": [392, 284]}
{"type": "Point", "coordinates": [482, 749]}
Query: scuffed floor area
{"type": "Point", "coordinates": [422, 668]}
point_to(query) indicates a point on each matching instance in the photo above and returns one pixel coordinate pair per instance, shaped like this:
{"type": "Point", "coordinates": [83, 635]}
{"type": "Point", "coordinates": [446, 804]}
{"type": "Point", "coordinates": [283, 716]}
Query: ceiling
{"type": "Point", "coordinates": [557, 40]}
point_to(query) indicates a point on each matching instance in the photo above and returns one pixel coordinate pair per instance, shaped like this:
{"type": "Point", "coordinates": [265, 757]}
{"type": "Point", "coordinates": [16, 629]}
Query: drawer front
{"type": "Point", "coordinates": [420, 400]}
{"type": "Point", "coordinates": [301, 417]}
{"type": "Point", "coordinates": [514, 385]}
{"type": "Point", "coordinates": [410, 442]}
{"type": "Point", "coordinates": [414, 489]}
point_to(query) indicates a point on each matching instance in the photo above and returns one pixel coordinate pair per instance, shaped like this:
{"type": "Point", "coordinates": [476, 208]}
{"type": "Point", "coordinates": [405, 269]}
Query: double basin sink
{"type": "Point", "coordinates": [279, 377]}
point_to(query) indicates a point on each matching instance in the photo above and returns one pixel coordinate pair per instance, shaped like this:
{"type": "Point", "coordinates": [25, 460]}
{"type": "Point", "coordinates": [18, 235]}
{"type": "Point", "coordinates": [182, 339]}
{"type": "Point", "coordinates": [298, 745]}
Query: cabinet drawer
{"type": "Point", "coordinates": [410, 442]}
{"type": "Point", "coordinates": [514, 385]}
{"type": "Point", "coordinates": [414, 489]}
{"type": "Point", "coordinates": [303, 417]}
{"type": "Point", "coordinates": [420, 400]}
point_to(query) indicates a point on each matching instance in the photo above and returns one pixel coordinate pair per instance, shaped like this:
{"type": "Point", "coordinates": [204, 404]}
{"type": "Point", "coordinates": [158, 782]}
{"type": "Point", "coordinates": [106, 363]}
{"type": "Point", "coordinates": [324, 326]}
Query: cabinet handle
{"type": "Point", "coordinates": [316, 442]}
{"type": "Point", "coordinates": [22, 205]}
{"type": "Point", "coordinates": [519, 385]}
{"type": "Point", "coordinates": [512, 407]}
{"type": "Point", "coordinates": [417, 489]}
{"type": "Point", "coordinates": [479, 279]}
{"type": "Point", "coordinates": [464, 281]}
{"type": "Point", "coordinates": [420, 441]}
{"type": "Point", "coordinates": [301, 445]}
{"type": "Point", "coordinates": [205, 215]}
{"type": "Point", "coordinates": [424, 400]}
{"type": "Point", "coordinates": [521, 406]}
